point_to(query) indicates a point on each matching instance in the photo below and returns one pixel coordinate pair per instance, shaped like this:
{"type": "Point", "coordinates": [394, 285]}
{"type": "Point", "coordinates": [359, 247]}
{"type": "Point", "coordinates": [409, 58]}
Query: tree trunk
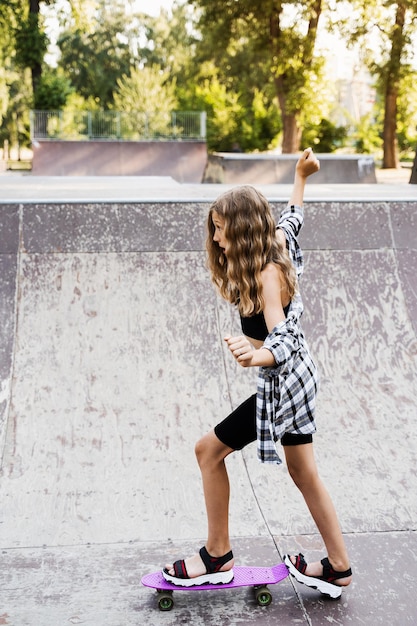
{"type": "Point", "coordinates": [291, 118]}
{"type": "Point", "coordinates": [413, 178]}
{"type": "Point", "coordinates": [291, 138]}
{"type": "Point", "coordinates": [34, 6]}
{"type": "Point", "coordinates": [391, 158]}
{"type": "Point", "coordinates": [36, 68]}
{"type": "Point", "coordinates": [390, 148]}
{"type": "Point", "coordinates": [291, 131]}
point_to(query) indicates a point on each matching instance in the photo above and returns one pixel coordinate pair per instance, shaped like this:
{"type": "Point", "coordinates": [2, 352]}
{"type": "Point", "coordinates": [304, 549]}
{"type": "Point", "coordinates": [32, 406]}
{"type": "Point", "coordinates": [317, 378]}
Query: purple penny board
{"type": "Point", "coordinates": [243, 577]}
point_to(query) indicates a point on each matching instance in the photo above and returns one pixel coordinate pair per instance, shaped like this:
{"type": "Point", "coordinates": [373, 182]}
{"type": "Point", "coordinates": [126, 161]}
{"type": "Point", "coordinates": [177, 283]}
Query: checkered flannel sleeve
{"type": "Point", "coordinates": [291, 221]}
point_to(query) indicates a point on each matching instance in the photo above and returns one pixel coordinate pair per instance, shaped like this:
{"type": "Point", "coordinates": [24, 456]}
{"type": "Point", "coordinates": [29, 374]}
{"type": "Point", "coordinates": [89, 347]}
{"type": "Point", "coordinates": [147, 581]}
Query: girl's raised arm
{"type": "Point", "coordinates": [307, 164]}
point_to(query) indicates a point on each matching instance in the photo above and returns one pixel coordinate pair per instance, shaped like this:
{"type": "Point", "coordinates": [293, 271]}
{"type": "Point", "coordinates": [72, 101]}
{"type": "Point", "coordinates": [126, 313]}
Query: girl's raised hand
{"type": "Point", "coordinates": [307, 164]}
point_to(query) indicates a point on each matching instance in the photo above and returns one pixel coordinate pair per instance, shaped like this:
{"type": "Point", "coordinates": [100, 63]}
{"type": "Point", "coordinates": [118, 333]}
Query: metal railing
{"type": "Point", "coordinates": [115, 125]}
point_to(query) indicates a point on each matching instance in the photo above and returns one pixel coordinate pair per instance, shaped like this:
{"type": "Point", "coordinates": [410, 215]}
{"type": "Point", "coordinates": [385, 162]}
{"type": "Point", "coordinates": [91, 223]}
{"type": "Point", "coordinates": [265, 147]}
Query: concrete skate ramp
{"type": "Point", "coordinates": [270, 168]}
{"type": "Point", "coordinates": [112, 365]}
{"type": "Point", "coordinates": [183, 160]}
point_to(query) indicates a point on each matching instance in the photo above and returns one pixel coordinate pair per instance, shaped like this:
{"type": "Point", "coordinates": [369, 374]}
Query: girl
{"type": "Point", "coordinates": [255, 266]}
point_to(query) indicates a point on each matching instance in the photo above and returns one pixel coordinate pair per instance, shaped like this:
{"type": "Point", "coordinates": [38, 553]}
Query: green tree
{"type": "Point", "coordinates": [15, 123]}
{"type": "Point", "coordinates": [148, 95]}
{"type": "Point", "coordinates": [169, 41]}
{"type": "Point", "coordinates": [249, 123]}
{"type": "Point", "coordinates": [31, 41]}
{"type": "Point", "coordinates": [7, 17]}
{"type": "Point", "coordinates": [15, 90]}
{"type": "Point", "coordinates": [392, 73]}
{"type": "Point", "coordinates": [260, 124]}
{"type": "Point", "coordinates": [52, 92]}
{"type": "Point", "coordinates": [324, 136]}
{"type": "Point", "coordinates": [273, 44]}
{"type": "Point", "coordinates": [407, 115]}
{"type": "Point", "coordinates": [366, 134]}
{"type": "Point", "coordinates": [222, 106]}
{"type": "Point", "coordinates": [384, 30]}
{"type": "Point", "coordinates": [95, 58]}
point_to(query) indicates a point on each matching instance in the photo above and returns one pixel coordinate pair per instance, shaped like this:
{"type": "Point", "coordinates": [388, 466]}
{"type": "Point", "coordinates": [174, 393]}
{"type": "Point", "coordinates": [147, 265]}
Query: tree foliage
{"type": "Point", "coordinates": [268, 47]}
{"type": "Point", "coordinates": [252, 66]}
{"type": "Point", "coordinates": [384, 31]}
{"type": "Point", "coordinates": [324, 136]}
{"type": "Point", "coordinates": [148, 95]}
{"type": "Point", "coordinates": [169, 41]}
{"type": "Point", "coordinates": [94, 59]}
{"type": "Point", "coordinates": [52, 92]}
{"type": "Point", "coordinates": [31, 42]}
{"type": "Point", "coordinates": [14, 81]}
{"type": "Point", "coordinates": [145, 89]}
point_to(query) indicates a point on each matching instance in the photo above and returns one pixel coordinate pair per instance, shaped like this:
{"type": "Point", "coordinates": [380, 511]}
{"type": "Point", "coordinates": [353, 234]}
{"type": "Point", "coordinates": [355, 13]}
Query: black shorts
{"type": "Point", "coordinates": [239, 428]}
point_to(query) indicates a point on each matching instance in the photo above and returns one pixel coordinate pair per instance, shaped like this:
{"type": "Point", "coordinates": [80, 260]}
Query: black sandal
{"type": "Point", "coordinates": [213, 575]}
{"type": "Point", "coordinates": [325, 583]}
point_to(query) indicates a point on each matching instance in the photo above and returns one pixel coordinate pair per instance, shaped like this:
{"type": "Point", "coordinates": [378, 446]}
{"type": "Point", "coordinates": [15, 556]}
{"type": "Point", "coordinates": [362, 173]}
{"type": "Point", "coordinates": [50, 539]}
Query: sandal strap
{"type": "Point", "coordinates": [300, 563]}
{"type": "Point", "coordinates": [213, 563]}
{"type": "Point", "coordinates": [330, 574]}
{"type": "Point", "coordinates": [180, 570]}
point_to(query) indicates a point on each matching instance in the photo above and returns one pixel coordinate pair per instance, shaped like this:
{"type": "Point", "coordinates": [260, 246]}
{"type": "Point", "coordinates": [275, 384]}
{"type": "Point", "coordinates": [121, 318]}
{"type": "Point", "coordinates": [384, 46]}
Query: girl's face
{"type": "Point", "coordinates": [219, 236]}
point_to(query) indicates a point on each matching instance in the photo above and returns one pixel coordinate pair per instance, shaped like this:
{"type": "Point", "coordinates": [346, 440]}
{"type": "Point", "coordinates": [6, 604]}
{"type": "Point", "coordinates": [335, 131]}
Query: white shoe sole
{"type": "Point", "coordinates": [327, 589]}
{"type": "Point", "coordinates": [219, 578]}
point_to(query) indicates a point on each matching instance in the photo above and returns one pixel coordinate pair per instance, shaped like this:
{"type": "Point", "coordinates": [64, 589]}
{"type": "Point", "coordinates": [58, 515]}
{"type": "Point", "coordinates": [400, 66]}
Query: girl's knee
{"type": "Point", "coordinates": [301, 465]}
{"type": "Point", "coordinates": [204, 449]}
{"type": "Point", "coordinates": [303, 477]}
{"type": "Point", "coordinates": [200, 449]}
{"type": "Point", "coordinates": [209, 449]}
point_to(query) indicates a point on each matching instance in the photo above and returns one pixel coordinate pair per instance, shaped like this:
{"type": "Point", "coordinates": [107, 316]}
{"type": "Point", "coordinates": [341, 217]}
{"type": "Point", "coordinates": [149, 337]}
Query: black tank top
{"type": "Point", "coordinates": [255, 325]}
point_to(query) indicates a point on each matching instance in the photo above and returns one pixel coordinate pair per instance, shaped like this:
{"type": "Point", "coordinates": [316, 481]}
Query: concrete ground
{"type": "Point", "coordinates": [112, 365]}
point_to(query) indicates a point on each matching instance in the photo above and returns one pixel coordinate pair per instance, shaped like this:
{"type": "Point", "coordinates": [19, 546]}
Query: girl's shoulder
{"type": "Point", "coordinates": [270, 274]}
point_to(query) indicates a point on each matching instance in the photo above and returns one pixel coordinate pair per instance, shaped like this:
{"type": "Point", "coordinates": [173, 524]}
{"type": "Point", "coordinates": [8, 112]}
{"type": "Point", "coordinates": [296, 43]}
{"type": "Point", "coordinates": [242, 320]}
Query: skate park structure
{"type": "Point", "coordinates": [112, 365]}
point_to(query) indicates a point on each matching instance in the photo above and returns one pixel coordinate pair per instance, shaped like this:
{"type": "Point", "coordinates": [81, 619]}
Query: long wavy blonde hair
{"type": "Point", "coordinates": [250, 231]}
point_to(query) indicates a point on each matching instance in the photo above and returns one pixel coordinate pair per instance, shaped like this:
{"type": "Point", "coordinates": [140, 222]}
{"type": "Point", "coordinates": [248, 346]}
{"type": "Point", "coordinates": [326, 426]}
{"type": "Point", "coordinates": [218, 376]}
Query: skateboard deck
{"type": "Point", "coordinates": [256, 577]}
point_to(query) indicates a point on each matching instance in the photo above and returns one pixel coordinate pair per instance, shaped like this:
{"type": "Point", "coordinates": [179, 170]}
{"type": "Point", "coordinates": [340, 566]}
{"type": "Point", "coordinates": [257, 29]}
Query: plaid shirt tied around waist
{"type": "Point", "coordinates": [286, 392]}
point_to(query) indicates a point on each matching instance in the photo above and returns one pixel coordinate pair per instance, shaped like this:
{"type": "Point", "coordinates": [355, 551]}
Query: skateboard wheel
{"type": "Point", "coordinates": [165, 601]}
{"type": "Point", "coordinates": [263, 596]}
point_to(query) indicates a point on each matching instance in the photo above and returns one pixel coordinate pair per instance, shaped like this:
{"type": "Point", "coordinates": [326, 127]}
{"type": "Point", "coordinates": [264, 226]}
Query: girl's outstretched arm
{"type": "Point", "coordinates": [306, 165]}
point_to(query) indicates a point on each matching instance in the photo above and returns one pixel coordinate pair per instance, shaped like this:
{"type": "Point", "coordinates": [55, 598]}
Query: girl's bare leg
{"type": "Point", "coordinates": [303, 470]}
{"type": "Point", "coordinates": [211, 453]}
